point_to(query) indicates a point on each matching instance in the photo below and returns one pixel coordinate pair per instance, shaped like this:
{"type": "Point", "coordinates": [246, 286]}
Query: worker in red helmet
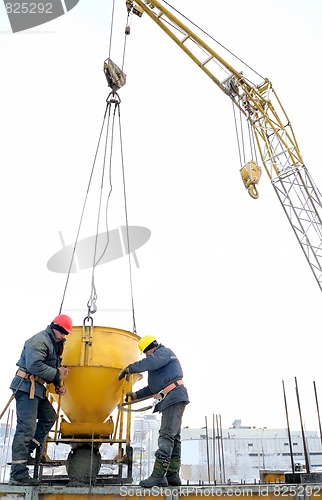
{"type": "Point", "coordinates": [39, 364]}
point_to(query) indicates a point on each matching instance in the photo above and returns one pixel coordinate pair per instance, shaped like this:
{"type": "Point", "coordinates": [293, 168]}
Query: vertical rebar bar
{"type": "Point", "coordinates": [219, 453]}
{"type": "Point", "coordinates": [318, 410]}
{"type": "Point", "coordinates": [222, 450]}
{"type": "Point", "coordinates": [207, 450]}
{"type": "Point", "coordinates": [306, 455]}
{"type": "Point", "coordinates": [214, 445]}
{"type": "Point", "coordinates": [288, 429]}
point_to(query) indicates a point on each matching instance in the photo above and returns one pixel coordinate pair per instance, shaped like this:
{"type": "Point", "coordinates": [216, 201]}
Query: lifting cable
{"type": "Point", "coordinates": [111, 30]}
{"type": "Point", "coordinates": [112, 99]}
{"type": "Point", "coordinates": [240, 138]}
{"type": "Point", "coordinates": [127, 226]}
{"type": "Point", "coordinates": [241, 150]}
{"type": "Point", "coordinates": [83, 211]}
{"type": "Point", "coordinates": [127, 32]}
{"type": "Point", "coordinates": [91, 304]}
{"type": "Point", "coordinates": [249, 170]}
{"type": "Point", "coordinates": [252, 142]}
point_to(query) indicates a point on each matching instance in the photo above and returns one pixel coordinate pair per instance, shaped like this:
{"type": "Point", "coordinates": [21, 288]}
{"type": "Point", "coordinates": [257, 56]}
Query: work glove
{"type": "Point", "coordinates": [130, 396]}
{"type": "Point", "coordinates": [124, 372]}
{"type": "Point", "coordinates": [60, 390]}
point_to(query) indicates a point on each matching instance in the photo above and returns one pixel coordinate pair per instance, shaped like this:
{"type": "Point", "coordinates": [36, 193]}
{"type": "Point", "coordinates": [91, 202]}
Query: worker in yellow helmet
{"type": "Point", "coordinates": [166, 384]}
{"type": "Point", "coordinates": [39, 363]}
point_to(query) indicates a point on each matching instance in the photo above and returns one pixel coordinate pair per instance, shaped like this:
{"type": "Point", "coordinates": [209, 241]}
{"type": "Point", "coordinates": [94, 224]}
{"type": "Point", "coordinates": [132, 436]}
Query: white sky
{"type": "Point", "coordinates": [222, 280]}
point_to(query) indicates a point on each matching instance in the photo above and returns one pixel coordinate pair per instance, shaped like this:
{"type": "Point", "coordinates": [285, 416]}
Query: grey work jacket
{"type": "Point", "coordinates": [163, 368]}
{"type": "Point", "coordinates": [40, 356]}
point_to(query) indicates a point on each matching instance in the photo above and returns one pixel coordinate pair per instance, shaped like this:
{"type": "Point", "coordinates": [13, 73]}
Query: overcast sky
{"type": "Point", "coordinates": [222, 280]}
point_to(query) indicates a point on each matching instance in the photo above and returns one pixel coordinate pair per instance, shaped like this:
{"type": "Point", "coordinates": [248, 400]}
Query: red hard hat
{"type": "Point", "coordinates": [64, 321]}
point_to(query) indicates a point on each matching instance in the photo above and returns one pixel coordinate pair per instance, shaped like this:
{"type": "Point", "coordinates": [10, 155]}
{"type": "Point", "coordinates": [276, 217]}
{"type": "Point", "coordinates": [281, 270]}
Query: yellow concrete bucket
{"type": "Point", "coordinates": [95, 355]}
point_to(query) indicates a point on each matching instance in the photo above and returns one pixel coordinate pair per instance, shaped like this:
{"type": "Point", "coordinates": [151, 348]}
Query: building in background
{"type": "Point", "coordinates": [144, 443]}
{"type": "Point", "coordinates": [241, 453]}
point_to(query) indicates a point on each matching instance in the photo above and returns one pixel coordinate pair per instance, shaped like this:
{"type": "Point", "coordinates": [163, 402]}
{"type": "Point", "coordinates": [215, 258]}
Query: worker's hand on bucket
{"type": "Point", "coordinates": [130, 396]}
{"type": "Point", "coordinates": [124, 372]}
{"type": "Point", "coordinates": [63, 371]}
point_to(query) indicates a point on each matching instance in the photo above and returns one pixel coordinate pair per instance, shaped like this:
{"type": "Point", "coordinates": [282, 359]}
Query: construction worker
{"type": "Point", "coordinates": [166, 385]}
{"type": "Point", "coordinates": [39, 363]}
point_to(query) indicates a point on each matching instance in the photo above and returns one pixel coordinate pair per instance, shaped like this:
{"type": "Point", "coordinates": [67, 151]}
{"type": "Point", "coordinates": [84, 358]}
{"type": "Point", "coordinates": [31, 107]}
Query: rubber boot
{"type": "Point", "coordinates": [24, 481]}
{"type": "Point", "coordinates": [157, 477]}
{"type": "Point", "coordinates": [172, 475]}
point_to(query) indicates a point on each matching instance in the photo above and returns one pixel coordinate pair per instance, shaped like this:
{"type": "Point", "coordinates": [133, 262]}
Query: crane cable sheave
{"type": "Point", "coordinates": [115, 77]}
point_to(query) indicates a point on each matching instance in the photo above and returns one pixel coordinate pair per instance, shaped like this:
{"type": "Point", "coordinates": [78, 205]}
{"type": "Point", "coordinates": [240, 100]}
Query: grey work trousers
{"type": "Point", "coordinates": [169, 442]}
{"type": "Point", "coordinates": [35, 418]}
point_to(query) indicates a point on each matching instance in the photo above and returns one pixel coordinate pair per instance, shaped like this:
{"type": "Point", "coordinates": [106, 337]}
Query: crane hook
{"type": "Point", "coordinates": [251, 174]}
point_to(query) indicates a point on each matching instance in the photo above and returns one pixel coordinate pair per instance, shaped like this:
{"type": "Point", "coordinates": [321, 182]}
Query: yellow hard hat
{"type": "Point", "coordinates": [145, 342]}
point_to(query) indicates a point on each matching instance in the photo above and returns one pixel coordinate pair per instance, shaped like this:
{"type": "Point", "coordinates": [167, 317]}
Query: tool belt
{"type": "Point", "coordinates": [33, 379]}
{"type": "Point", "coordinates": [162, 394]}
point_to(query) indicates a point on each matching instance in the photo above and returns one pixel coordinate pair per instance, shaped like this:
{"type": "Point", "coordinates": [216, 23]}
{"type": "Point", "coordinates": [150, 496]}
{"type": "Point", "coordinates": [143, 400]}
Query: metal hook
{"type": "Point", "coordinates": [89, 319]}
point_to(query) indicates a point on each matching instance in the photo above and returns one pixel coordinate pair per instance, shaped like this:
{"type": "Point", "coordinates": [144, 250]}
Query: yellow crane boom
{"type": "Point", "coordinates": [272, 130]}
